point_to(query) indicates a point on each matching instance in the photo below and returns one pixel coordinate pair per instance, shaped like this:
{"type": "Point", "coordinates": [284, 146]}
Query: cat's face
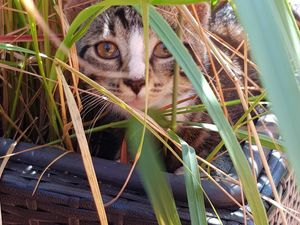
{"type": "Point", "coordinates": [114, 50]}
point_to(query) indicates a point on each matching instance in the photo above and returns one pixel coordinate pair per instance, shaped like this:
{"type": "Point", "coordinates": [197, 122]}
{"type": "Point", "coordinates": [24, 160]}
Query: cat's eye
{"type": "Point", "coordinates": [107, 50]}
{"type": "Point", "coordinates": [161, 51]}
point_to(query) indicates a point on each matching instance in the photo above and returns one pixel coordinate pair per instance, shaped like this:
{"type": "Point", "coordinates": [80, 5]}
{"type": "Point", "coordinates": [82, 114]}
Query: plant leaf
{"type": "Point", "coordinates": [207, 96]}
{"type": "Point", "coordinates": [275, 46]}
{"type": "Point", "coordinates": [152, 176]}
{"type": "Point", "coordinates": [193, 184]}
{"type": "Point", "coordinates": [10, 47]}
{"type": "Point", "coordinates": [84, 149]}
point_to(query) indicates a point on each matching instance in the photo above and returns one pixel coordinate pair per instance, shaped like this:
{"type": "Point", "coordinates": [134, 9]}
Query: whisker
{"type": "Point", "coordinates": [91, 105]}
{"type": "Point", "coordinates": [97, 116]}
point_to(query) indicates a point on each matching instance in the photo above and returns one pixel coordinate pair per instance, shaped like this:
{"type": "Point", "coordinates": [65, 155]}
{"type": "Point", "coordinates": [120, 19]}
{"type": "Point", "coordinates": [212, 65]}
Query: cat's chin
{"type": "Point", "coordinates": [137, 104]}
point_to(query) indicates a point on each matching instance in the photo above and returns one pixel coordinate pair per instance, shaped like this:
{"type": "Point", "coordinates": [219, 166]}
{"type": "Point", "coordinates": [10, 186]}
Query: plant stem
{"type": "Point", "coordinates": [175, 78]}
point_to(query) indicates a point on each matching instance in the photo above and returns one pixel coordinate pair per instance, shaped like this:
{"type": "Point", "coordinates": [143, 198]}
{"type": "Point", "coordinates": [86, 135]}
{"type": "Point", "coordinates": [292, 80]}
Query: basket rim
{"type": "Point", "coordinates": [112, 172]}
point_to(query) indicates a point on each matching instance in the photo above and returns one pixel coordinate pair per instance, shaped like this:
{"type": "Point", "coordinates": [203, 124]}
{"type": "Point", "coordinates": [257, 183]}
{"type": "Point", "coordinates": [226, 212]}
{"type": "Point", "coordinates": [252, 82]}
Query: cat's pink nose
{"type": "Point", "coordinates": [135, 85]}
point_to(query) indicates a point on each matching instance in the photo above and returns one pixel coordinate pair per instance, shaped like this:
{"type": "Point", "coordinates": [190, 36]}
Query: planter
{"type": "Point", "coordinates": [63, 195]}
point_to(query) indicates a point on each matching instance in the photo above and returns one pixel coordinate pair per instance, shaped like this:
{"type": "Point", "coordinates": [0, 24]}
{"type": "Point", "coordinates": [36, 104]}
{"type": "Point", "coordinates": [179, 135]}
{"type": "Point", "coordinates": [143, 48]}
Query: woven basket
{"type": "Point", "coordinates": [63, 195]}
{"type": "Point", "coordinates": [290, 198]}
{"type": "Point", "coordinates": [65, 198]}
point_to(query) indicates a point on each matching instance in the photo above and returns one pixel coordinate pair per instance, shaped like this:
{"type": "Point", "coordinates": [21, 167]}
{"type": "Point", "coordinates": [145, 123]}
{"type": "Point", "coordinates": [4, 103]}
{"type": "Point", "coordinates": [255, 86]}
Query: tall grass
{"type": "Point", "coordinates": [33, 54]}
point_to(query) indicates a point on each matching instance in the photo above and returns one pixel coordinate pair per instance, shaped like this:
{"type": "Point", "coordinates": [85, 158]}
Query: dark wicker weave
{"type": "Point", "coordinates": [64, 197]}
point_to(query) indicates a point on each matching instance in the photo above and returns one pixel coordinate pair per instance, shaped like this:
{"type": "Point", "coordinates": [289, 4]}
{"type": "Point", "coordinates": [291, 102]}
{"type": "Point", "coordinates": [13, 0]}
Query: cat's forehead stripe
{"type": "Point", "coordinates": [120, 13]}
{"type": "Point", "coordinates": [136, 63]}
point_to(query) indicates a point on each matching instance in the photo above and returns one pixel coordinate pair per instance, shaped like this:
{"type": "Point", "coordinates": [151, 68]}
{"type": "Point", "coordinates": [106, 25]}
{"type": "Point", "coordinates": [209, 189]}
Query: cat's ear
{"type": "Point", "coordinates": [204, 13]}
{"type": "Point", "coordinates": [73, 7]}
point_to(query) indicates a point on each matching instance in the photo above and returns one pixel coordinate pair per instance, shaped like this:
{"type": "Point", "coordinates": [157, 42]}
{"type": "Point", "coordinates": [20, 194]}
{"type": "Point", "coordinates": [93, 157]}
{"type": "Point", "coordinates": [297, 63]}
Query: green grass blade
{"type": "Point", "coordinates": [203, 89]}
{"type": "Point", "coordinates": [275, 47]}
{"type": "Point", "coordinates": [265, 140]}
{"type": "Point", "coordinates": [14, 48]}
{"type": "Point", "coordinates": [152, 176]}
{"type": "Point", "coordinates": [201, 107]}
{"type": "Point", "coordinates": [21, 16]}
{"type": "Point", "coordinates": [17, 93]}
{"type": "Point", "coordinates": [53, 112]}
{"type": "Point", "coordinates": [118, 124]}
{"type": "Point", "coordinates": [289, 24]}
{"type": "Point", "coordinates": [193, 185]}
{"type": "Point", "coordinates": [46, 41]}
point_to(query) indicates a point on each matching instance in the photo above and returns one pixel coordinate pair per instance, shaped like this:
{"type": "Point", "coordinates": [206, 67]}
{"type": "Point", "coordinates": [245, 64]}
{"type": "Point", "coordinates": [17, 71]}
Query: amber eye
{"type": "Point", "coordinates": [107, 50]}
{"type": "Point", "coordinates": [161, 51]}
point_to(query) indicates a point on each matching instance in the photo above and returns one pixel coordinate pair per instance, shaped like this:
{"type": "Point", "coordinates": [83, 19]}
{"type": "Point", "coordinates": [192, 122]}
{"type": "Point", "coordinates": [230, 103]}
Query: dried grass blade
{"type": "Point", "coordinates": [44, 171]}
{"type": "Point", "coordinates": [85, 152]}
{"type": "Point", "coordinates": [11, 149]}
{"type": "Point", "coordinates": [64, 114]}
{"type": "Point", "coordinates": [5, 159]}
{"type": "Point", "coordinates": [6, 118]}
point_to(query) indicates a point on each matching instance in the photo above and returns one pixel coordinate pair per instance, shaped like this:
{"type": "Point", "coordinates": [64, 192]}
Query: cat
{"type": "Point", "coordinates": [113, 47]}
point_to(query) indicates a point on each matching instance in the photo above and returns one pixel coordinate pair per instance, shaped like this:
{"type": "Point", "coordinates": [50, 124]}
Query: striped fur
{"type": "Point", "coordinates": [123, 26]}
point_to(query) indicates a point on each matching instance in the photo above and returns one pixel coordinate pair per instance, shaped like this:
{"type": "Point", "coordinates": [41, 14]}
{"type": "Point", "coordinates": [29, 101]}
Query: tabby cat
{"type": "Point", "coordinates": [113, 50]}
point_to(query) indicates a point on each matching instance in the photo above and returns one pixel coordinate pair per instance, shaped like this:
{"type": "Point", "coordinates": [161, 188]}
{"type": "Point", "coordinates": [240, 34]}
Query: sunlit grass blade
{"type": "Point", "coordinates": [10, 47]}
{"type": "Point", "coordinates": [5, 160]}
{"type": "Point", "coordinates": [84, 149]}
{"type": "Point", "coordinates": [11, 149]}
{"type": "Point", "coordinates": [275, 47]}
{"type": "Point", "coordinates": [152, 176]}
{"type": "Point", "coordinates": [207, 96]}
